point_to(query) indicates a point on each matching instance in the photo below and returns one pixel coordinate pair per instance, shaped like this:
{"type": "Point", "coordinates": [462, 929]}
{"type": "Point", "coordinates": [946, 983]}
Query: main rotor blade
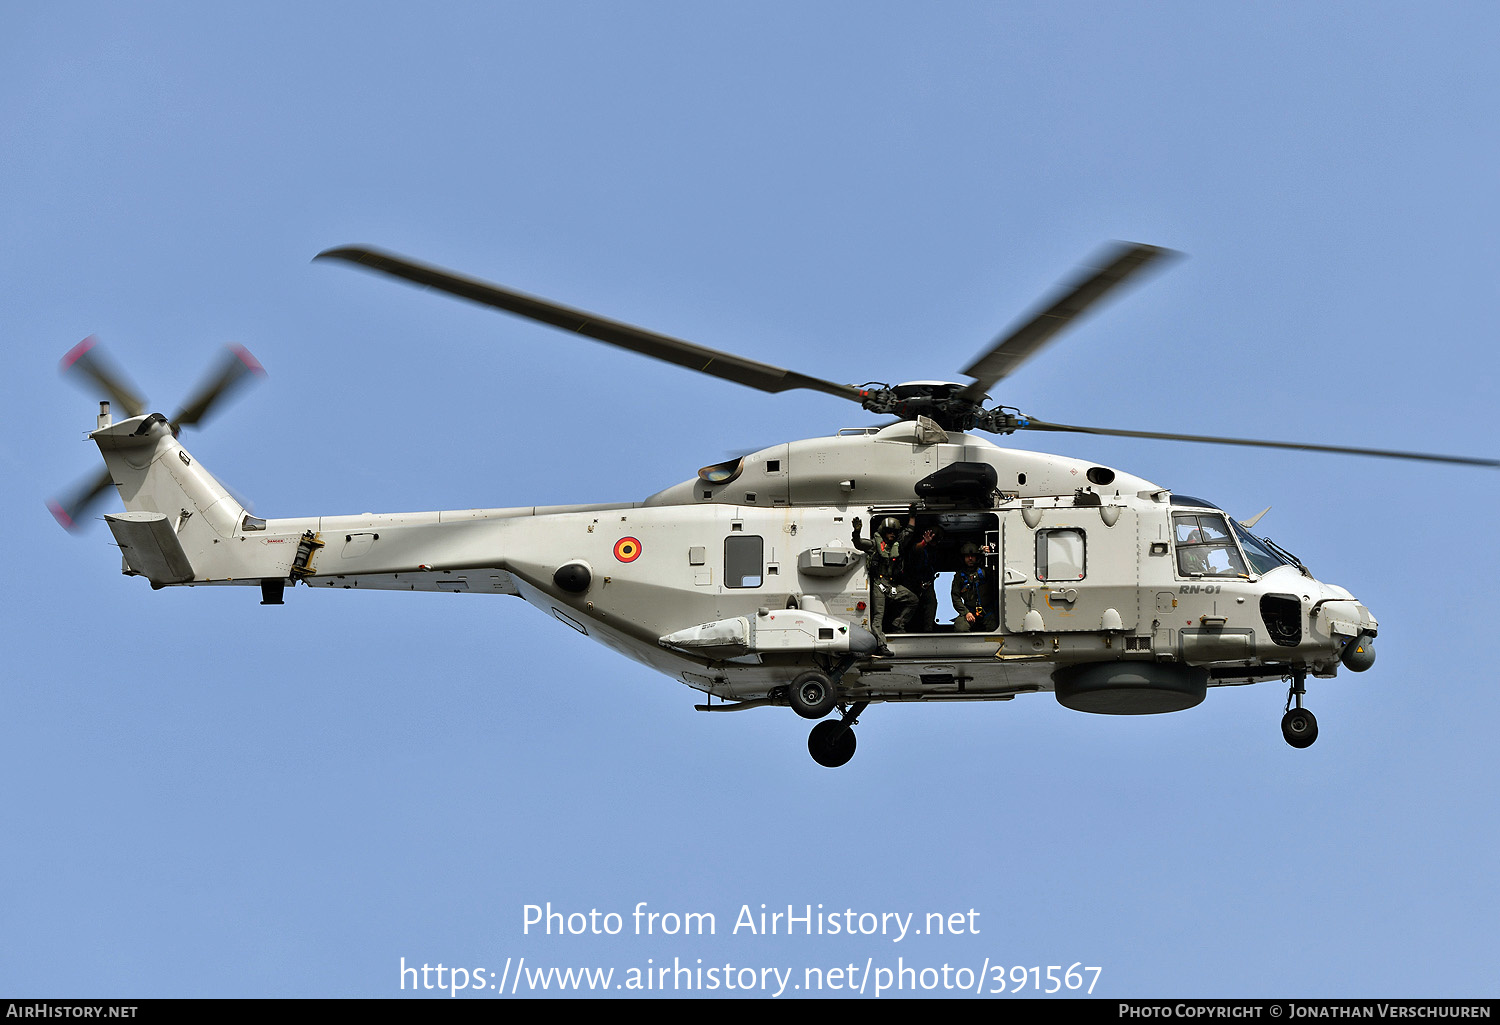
{"type": "Point", "coordinates": [235, 367]}
{"type": "Point", "coordinates": [70, 511]}
{"type": "Point", "coordinates": [1041, 425]}
{"type": "Point", "coordinates": [723, 365]}
{"type": "Point", "coordinates": [88, 358]}
{"type": "Point", "coordinates": [1105, 273]}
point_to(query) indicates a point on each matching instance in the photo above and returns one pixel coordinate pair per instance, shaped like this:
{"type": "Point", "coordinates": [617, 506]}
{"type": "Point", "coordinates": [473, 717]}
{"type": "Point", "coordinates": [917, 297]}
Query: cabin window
{"type": "Point", "coordinates": [1060, 554]}
{"type": "Point", "coordinates": [1205, 547]}
{"type": "Point", "coordinates": [744, 560]}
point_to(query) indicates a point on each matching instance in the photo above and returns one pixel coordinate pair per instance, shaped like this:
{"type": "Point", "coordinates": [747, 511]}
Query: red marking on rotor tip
{"type": "Point", "coordinates": [76, 352]}
{"type": "Point", "coordinates": [250, 361]}
{"type": "Point", "coordinates": [63, 519]}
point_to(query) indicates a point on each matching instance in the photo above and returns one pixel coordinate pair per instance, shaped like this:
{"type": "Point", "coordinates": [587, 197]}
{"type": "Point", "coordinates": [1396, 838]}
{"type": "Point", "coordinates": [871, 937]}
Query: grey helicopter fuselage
{"type": "Point", "coordinates": [1109, 589]}
{"type": "Point", "coordinates": [752, 581]}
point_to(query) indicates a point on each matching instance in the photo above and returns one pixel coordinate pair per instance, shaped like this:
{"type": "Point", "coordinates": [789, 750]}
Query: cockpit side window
{"type": "Point", "coordinates": [1205, 546]}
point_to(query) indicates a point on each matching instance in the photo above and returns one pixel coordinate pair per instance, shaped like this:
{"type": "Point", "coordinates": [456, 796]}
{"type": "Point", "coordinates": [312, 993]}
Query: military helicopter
{"type": "Point", "coordinates": [751, 583]}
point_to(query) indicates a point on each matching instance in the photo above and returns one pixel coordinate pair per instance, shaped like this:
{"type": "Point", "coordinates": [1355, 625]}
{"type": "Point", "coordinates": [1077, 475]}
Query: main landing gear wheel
{"type": "Point", "coordinates": [812, 696]}
{"type": "Point", "coordinates": [1299, 727]}
{"type": "Point", "coordinates": [831, 744]}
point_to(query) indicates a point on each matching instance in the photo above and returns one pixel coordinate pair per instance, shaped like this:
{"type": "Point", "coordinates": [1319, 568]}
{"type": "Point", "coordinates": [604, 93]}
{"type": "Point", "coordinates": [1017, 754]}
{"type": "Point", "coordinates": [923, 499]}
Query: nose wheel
{"type": "Point", "coordinates": [1298, 725]}
{"type": "Point", "coordinates": [830, 743]}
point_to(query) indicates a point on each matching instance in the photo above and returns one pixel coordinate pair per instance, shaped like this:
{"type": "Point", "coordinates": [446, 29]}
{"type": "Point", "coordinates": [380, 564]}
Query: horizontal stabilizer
{"type": "Point", "coordinates": [151, 547]}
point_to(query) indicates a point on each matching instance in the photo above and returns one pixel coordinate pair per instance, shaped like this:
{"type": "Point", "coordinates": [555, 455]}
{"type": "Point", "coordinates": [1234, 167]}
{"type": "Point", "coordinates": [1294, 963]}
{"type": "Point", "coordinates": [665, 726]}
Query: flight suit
{"type": "Point", "coordinates": [971, 593]}
{"type": "Point", "coordinates": [918, 573]}
{"type": "Point", "coordinates": [882, 561]}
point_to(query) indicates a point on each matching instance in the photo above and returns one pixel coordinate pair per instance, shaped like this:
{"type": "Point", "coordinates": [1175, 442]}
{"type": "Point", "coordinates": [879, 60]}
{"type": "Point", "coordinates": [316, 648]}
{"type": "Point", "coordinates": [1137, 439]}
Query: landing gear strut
{"type": "Point", "coordinates": [1298, 726]}
{"type": "Point", "coordinates": [830, 743]}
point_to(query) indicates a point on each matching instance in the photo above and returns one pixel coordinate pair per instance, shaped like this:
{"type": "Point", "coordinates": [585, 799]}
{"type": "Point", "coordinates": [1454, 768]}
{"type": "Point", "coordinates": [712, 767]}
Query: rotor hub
{"type": "Point", "coordinates": [945, 403]}
{"type": "Point", "coordinates": [939, 401]}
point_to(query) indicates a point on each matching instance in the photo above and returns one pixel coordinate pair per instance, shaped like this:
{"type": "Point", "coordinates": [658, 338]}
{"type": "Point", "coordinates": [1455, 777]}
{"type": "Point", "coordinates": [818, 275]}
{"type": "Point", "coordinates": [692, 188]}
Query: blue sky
{"type": "Point", "coordinates": [207, 797]}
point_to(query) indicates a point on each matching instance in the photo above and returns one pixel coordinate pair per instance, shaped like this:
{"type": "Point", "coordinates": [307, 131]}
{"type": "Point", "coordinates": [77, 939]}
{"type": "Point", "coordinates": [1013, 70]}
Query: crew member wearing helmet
{"type": "Point", "coordinates": [883, 559]}
{"type": "Point", "coordinates": [973, 597]}
{"type": "Point", "coordinates": [917, 572]}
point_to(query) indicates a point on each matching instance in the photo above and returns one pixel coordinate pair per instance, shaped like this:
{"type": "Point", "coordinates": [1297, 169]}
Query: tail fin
{"type": "Point", "coordinates": [178, 516]}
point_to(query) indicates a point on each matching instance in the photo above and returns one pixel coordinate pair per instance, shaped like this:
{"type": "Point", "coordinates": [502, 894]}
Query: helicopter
{"type": "Point", "coordinates": [754, 581]}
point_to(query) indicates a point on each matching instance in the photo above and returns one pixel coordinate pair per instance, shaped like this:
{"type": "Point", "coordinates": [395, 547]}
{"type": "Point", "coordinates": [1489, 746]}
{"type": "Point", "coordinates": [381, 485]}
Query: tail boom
{"type": "Point", "coordinates": [181, 526]}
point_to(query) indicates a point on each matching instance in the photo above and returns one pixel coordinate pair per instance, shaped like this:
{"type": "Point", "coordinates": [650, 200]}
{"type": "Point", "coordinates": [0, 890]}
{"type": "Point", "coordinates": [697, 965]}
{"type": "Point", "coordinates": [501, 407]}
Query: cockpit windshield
{"type": "Point", "coordinates": [1262, 559]}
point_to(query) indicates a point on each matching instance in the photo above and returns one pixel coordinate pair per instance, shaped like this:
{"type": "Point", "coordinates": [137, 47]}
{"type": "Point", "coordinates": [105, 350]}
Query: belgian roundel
{"type": "Point", "coordinates": [627, 549]}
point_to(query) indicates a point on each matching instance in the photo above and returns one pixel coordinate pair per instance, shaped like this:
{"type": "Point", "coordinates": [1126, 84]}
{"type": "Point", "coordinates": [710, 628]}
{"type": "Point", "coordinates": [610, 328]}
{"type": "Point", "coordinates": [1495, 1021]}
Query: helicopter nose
{"type": "Point", "coordinates": [1343, 619]}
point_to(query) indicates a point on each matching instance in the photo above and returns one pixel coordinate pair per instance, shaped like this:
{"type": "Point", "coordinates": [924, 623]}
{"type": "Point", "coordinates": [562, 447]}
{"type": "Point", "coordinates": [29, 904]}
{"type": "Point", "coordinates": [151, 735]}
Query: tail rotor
{"type": "Point", "coordinates": [87, 363]}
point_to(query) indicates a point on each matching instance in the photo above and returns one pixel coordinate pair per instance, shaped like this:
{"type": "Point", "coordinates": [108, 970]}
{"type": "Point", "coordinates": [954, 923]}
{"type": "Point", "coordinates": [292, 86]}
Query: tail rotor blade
{"type": "Point", "coordinates": [71, 510]}
{"type": "Point", "coordinates": [88, 358]}
{"type": "Point", "coordinates": [234, 369]}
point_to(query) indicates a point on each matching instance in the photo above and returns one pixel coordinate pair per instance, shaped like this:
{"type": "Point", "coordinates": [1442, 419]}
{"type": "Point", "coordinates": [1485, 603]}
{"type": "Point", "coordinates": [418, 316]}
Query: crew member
{"type": "Point", "coordinates": [973, 597]}
{"type": "Point", "coordinates": [882, 557]}
{"type": "Point", "coordinates": [917, 572]}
